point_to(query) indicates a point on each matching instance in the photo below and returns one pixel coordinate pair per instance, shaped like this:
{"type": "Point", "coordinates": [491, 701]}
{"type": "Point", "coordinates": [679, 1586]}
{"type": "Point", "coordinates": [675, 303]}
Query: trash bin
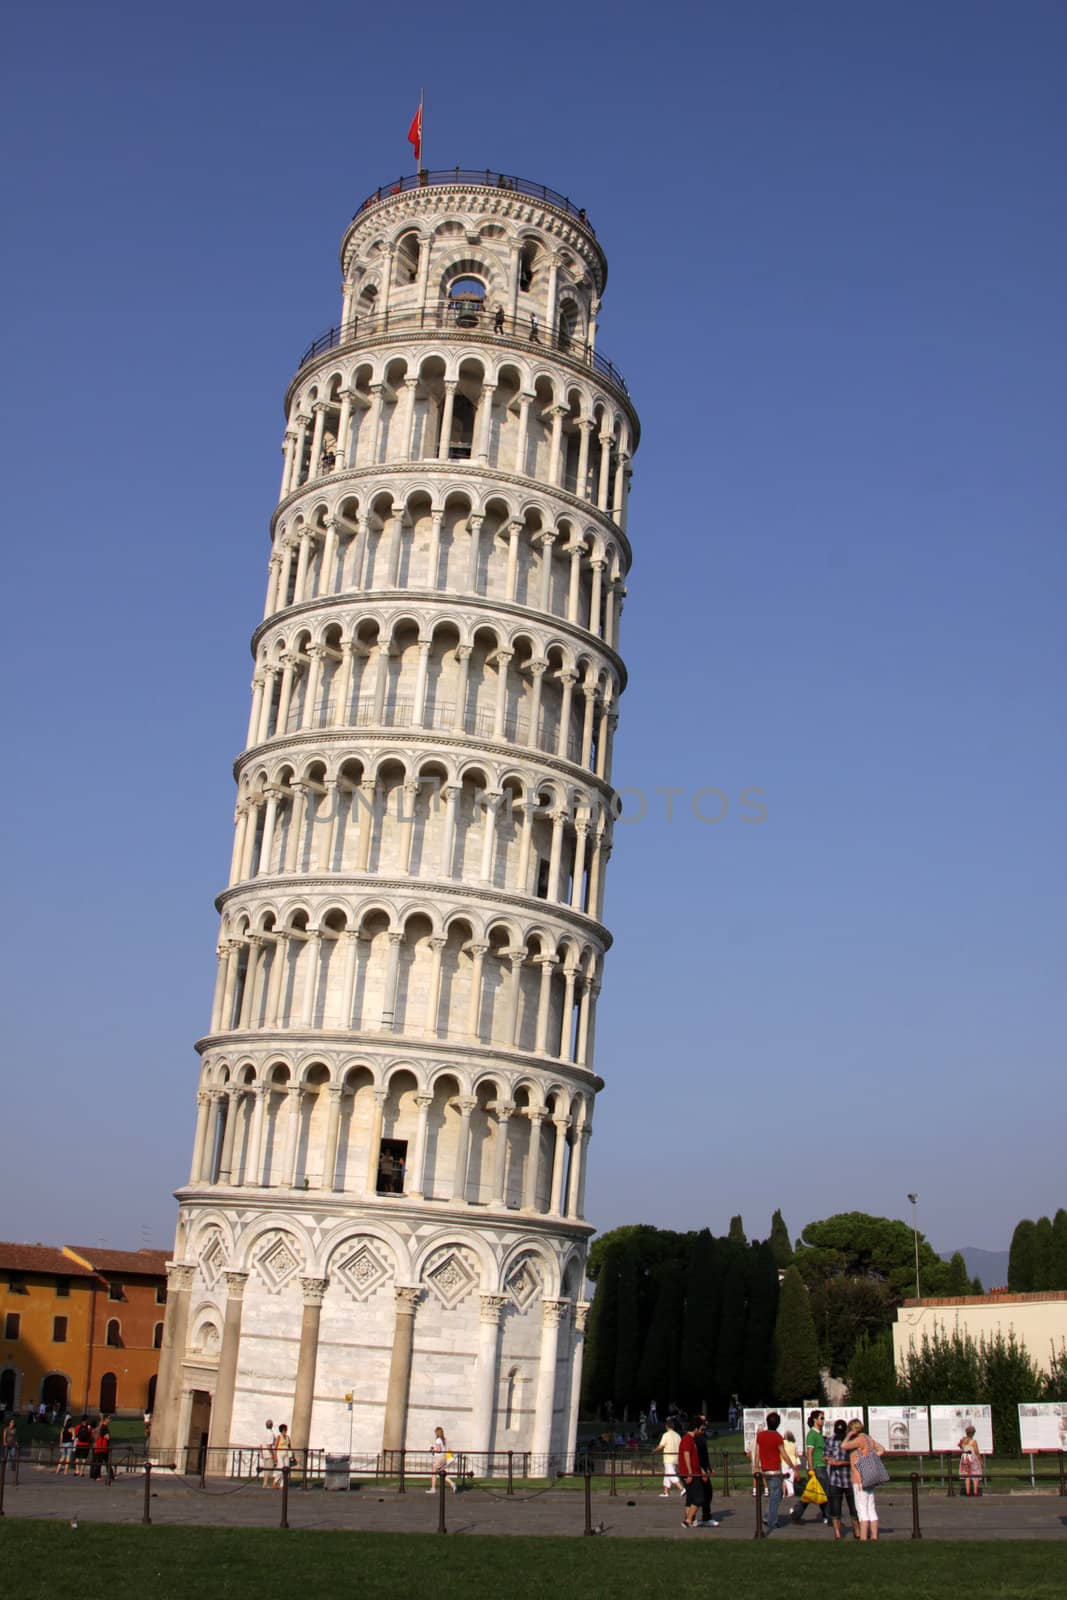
{"type": "Point", "coordinates": [338, 1472]}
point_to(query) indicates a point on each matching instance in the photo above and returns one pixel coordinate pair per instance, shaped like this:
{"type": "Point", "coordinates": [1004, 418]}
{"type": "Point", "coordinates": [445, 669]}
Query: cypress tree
{"type": "Point", "coordinates": [628, 1343]}
{"type": "Point", "coordinates": [657, 1373]}
{"type": "Point", "coordinates": [1058, 1272]}
{"type": "Point", "coordinates": [602, 1336]}
{"type": "Point", "coordinates": [730, 1339]}
{"type": "Point", "coordinates": [872, 1376]}
{"type": "Point", "coordinates": [696, 1379]}
{"type": "Point", "coordinates": [957, 1281]}
{"type": "Point", "coordinates": [796, 1348]}
{"type": "Point", "coordinates": [757, 1368]}
{"type": "Point", "coordinates": [781, 1248]}
{"type": "Point", "coordinates": [737, 1231]}
{"type": "Point", "coordinates": [1021, 1258]}
{"type": "Point", "coordinates": [1043, 1253]}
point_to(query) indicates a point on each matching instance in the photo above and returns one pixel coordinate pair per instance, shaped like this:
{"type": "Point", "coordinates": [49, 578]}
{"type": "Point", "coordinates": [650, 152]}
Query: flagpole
{"type": "Point", "coordinates": [422, 133]}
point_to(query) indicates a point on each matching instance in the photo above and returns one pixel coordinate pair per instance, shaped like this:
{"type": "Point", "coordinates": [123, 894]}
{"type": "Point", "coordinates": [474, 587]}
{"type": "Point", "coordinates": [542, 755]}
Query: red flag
{"type": "Point", "coordinates": [415, 135]}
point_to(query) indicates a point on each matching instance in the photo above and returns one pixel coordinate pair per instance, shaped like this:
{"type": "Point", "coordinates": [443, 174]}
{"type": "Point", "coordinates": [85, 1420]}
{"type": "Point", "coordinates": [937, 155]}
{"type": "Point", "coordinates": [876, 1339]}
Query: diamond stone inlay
{"type": "Point", "coordinates": [523, 1284]}
{"type": "Point", "coordinates": [277, 1264]}
{"type": "Point", "coordinates": [451, 1277]}
{"type": "Point", "coordinates": [363, 1272]}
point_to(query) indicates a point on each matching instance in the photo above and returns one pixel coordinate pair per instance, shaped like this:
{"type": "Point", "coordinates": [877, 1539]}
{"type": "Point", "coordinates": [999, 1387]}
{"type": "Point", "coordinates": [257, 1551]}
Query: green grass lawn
{"type": "Point", "coordinates": [112, 1563]}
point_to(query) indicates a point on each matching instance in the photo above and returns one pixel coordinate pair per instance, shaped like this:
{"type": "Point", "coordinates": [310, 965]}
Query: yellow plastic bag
{"type": "Point", "coordinates": [814, 1493]}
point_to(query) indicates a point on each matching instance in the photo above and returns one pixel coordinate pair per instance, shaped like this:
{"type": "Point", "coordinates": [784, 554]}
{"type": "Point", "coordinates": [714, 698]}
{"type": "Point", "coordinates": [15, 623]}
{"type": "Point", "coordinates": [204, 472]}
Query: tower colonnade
{"type": "Point", "coordinates": [387, 1186]}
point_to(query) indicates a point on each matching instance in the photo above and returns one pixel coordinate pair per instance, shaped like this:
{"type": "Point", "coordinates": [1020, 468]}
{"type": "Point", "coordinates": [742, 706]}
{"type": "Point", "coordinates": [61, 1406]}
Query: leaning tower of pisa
{"type": "Point", "coordinates": [383, 1228]}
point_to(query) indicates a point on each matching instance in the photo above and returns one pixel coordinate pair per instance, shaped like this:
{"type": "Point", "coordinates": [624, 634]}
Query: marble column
{"type": "Point", "coordinates": [222, 1407]}
{"type": "Point", "coordinates": [314, 1290]}
{"type": "Point", "coordinates": [553, 1314]}
{"type": "Point", "coordinates": [396, 1398]}
{"type": "Point", "coordinates": [483, 1410]}
{"type": "Point", "coordinates": [180, 1276]}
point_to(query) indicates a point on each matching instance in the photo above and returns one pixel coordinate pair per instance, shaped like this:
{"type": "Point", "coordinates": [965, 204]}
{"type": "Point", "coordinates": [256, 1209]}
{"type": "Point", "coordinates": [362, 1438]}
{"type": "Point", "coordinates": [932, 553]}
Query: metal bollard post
{"type": "Point", "coordinates": [613, 1492]}
{"type": "Point", "coordinates": [511, 1470]}
{"type": "Point", "coordinates": [725, 1475]}
{"type": "Point", "coordinates": [402, 1486]}
{"type": "Point", "coordinates": [441, 1502]}
{"type": "Point", "coordinates": [18, 1458]}
{"type": "Point", "coordinates": [1063, 1481]}
{"type": "Point", "coordinates": [916, 1531]}
{"type": "Point", "coordinates": [950, 1492]}
{"type": "Point", "coordinates": [588, 1498]}
{"type": "Point", "coordinates": [285, 1496]}
{"type": "Point", "coordinates": [146, 1515]}
{"type": "Point", "coordinates": [759, 1506]}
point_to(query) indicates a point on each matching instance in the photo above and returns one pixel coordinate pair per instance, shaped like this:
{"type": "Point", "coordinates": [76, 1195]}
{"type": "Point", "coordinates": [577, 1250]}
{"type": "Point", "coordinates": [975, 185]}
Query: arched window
{"type": "Point", "coordinates": [466, 296]}
{"type": "Point", "coordinates": [157, 1336]}
{"type": "Point", "coordinates": [568, 324]}
{"type": "Point", "coordinates": [407, 259]}
{"type": "Point", "coordinates": [54, 1390]}
{"type": "Point", "coordinates": [109, 1393]}
{"type": "Point", "coordinates": [113, 1336]}
{"type": "Point", "coordinates": [462, 441]}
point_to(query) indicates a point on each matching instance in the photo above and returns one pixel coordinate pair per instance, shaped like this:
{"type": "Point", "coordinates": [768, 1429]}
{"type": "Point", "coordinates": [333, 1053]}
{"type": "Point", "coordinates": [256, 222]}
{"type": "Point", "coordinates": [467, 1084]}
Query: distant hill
{"type": "Point", "coordinates": [989, 1265]}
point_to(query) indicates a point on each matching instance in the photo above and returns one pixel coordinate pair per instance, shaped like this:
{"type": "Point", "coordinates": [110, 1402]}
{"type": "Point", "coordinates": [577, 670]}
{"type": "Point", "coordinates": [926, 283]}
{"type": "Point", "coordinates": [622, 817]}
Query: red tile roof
{"type": "Point", "coordinates": [40, 1258]}
{"type": "Point", "coordinates": [150, 1263]}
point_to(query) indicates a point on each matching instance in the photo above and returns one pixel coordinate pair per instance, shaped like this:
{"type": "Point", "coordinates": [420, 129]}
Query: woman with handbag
{"type": "Point", "coordinates": [868, 1472]}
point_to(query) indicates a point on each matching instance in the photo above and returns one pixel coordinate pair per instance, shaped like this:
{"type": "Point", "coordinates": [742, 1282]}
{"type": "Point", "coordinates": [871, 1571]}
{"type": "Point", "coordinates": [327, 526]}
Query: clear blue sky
{"type": "Point", "coordinates": [837, 246]}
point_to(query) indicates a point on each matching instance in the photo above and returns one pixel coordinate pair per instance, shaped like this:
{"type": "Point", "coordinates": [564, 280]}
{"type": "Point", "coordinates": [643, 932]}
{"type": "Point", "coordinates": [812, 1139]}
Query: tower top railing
{"type": "Point", "coordinates": [483, 180]}
{"type": "Point", "coordinates": [464, 318]}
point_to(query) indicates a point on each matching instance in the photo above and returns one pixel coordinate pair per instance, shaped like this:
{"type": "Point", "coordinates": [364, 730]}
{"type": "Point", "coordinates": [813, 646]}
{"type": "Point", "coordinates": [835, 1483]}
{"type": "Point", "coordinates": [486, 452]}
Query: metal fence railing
{"type": "Point", "coordinates": [464, 319]}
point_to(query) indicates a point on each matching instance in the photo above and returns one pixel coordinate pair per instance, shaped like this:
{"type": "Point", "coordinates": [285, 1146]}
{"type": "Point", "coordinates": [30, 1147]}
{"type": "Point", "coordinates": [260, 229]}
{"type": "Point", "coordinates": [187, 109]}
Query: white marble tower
{"type": "Point", "coordinates": [397, 1087]}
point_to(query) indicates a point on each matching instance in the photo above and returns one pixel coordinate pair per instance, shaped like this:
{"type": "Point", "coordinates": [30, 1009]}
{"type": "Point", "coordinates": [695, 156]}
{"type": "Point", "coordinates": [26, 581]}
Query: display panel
{"type": "Point", "coordinates": [1043, 1425]}
{"type": "Point", "coordinates": [904, 1430]}
{"type": "Point", "coordinates": [948, 1422]}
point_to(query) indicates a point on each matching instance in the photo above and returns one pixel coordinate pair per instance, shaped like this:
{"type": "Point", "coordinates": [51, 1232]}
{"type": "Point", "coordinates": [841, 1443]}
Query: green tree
{"type": "Point", "coordinates": [844, 1309]}
{"type": "Point", "coordinates": [657, 1374]}
{"type": "Point", "coordinates": [1059, 1251]}
{"type": "Point", "coordinates": [1021, 1262]}
{"type": "Point", "coordinates": [942, 1369]}
{"type": "Point", "coordinates": [602, 1335]}
{"type": "Point", "coordinates": [872, 1376]}
{"type": "Point", "coordinates": [1043, 1253]}
{"type": "Point", "coordinates": [737, 1231]}
{"type": "Point", "coordinates": [629, 1339]}
{"type": "Point", "coordinates": [696, 1379]}
{"type": "Point", "coordinates": [957, 1281]}
{"type": "Point", "coordinates": [781, 1248]}
{"type": "Point", "coordinates": [761, 1310]}
{"type": "Point", "coordinates": [796, 1349]}
{"type": "Point", "coordinates": [856, 1245]}
{"type": "Point", "coordinates": [976, 1286]}
{"type": "Point", "coordinates": [730, 1337]}
{"type": "Point", "coordinates": [1008, 1378]}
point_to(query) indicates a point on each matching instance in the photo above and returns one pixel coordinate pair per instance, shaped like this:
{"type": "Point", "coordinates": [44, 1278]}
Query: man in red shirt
{"type": "Point", "coordinates": [692, 1475]}
{"type": "Point", "coordinates": [767, 1458]}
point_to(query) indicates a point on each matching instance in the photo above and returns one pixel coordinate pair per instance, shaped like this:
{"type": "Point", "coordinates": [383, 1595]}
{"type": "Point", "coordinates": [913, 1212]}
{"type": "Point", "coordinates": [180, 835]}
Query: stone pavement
{"type": "Point", "coordinates": [483, 1510]}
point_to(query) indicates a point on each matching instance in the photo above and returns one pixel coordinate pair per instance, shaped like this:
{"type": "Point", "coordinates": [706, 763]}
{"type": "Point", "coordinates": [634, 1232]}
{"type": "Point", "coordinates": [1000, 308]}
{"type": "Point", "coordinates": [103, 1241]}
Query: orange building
{"type": "Point", "coordinates": [80, 1328]}
{"type": "Point", "coordinates": [127, 1326]}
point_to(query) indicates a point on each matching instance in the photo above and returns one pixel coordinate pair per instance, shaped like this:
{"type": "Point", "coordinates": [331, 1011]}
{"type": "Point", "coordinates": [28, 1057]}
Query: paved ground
{"type": "Point", "coordinates": [476, 1510]}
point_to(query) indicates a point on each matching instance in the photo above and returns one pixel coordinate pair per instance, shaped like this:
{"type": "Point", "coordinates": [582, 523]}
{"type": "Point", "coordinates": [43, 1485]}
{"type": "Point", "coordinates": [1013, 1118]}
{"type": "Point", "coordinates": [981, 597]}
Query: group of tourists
{"type": "Point", "coordinates": [844, 1469]}
{"type": "Point", "coordinates": [85, 1449]}
{"type": "Point", "coordinates": [276, 1453]}
{"type": "Point", "coordinates": [687, 1468]}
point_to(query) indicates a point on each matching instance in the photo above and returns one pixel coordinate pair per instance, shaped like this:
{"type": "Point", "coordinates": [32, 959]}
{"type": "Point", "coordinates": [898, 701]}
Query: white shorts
{"type": "Point", "coordinates": [866, 1510]}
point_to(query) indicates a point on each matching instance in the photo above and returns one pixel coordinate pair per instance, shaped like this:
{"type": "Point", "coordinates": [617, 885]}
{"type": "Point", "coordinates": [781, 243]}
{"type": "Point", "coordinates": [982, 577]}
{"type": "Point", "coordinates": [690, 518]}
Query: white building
{"type": "Point", "coordinates": [1038, 1321]}
{"type": "Point", "coordinates": [397, 1087]}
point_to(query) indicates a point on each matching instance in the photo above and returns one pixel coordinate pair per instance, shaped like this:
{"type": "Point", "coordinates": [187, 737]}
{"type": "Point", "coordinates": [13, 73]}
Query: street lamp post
{"type": "Point", "coordinates": [914, 1198]}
